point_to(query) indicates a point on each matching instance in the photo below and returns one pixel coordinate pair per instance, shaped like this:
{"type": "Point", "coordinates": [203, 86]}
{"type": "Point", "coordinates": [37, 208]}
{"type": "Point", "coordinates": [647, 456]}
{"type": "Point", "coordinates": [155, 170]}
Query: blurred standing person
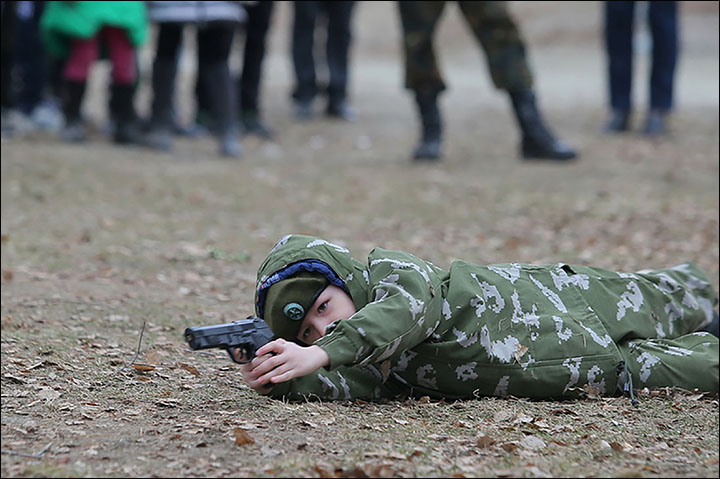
{"type": "Point", "coordinates": [497, 33]}
{"type": "Point", "coordinates": [619, 23]}
{"type": "Point", "coordinates": [75, 32]}
{"type": "Point", "coordinates": [215, 22]}
{"type": "Point", "coordinates": [38, 92]}
{"type": "Point", "coordinates": [338, 15]}
{"type": "Point", "coordinates": [7, 59]}
{"type": "Point", "coordinates": [258, 23]}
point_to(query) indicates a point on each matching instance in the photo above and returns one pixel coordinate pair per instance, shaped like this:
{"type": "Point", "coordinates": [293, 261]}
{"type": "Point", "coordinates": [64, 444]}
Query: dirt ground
{"type": "Point", "coordinates": [109, 253]}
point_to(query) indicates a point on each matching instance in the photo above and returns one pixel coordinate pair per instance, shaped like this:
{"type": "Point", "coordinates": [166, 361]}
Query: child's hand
{"type": "Point", "coordinates": [249, 377]}
{"type": "Point", "coordinates": [289, 361]}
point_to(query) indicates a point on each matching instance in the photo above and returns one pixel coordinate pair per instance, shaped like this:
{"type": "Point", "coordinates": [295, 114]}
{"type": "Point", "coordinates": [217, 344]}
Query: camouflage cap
{"type": "Point", "coordinates": [288, 301]}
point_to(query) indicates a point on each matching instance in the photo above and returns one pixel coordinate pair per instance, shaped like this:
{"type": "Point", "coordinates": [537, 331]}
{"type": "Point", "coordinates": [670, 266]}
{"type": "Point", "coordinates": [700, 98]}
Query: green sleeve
{"type": "Point", "coordinates": [341, 384]}
{"type": "Point", "coordinates": [403, 312]}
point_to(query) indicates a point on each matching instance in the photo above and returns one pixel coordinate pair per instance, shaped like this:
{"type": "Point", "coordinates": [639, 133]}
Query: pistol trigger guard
{"type": "Point", "coordinates": [232, 356]}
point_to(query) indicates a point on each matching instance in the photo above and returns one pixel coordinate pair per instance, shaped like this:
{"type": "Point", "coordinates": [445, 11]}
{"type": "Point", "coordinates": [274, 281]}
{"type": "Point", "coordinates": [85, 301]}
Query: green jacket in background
{"type": "Point", "coordinates": [62, 21]}
{"type": "Point", "coordinates": [537, 331]}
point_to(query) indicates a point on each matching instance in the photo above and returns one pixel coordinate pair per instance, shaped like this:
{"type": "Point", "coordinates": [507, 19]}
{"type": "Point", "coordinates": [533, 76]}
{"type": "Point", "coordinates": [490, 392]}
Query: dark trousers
{"type": "Point", "coordinates": [493, 27]}
{"type": "Point", "coordinates": [337, 46]}
{"type": "Point", "coordinates": [31, 61]}
{"type": "Point", "coordinates": [7, 55]}
{"type": "Point", "coordinates": [258, 23]}
{"type": "Point", "coordinates": [213, 46]}
{"type": "Point", "coordinates": [663, 23]}
{"type": "Point", "coordinates": [213, 43]}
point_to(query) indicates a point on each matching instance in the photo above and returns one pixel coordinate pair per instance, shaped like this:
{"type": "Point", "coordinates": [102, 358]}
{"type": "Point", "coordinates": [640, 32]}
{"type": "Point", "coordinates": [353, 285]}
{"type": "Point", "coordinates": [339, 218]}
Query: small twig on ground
{"type": "Point", "coordinates": [137, 353]}
{"type": "Point", "coordinates": [38, 455]}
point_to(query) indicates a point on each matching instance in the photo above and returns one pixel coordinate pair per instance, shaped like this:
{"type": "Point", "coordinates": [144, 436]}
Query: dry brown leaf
{"type": "Point", "coordinates": [510, 446]}
{"type": "Point", "coordinates": [592, 391]}
{"type": "Point", "coordinates": [191, 369]}
{"type": "Point", "coordinates": [242, 438]}
{"type": "Point", "coordinates": [327, 470]}
{"type": "Point", "coordinates": [620, 446]}
{"type": "Point", "coordinates": [143, 367]}
{"type": "Point", "coordinates": [484, 441]}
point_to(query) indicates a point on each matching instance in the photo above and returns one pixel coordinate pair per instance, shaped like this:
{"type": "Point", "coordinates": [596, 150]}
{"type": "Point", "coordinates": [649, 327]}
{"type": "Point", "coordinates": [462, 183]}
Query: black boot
{"type": "Point", "coordinates": [429, 148]}
{"type": "Point", "coordinates": [122, 108]}
{"type": "Point", "coordinates": [159, 135]}
{"type": "Point", "coordinates": [74, 130]}
{"type": "Point", "coordinates": [538, 143]}
{"type": "Point", "coordinates": [220, 91]}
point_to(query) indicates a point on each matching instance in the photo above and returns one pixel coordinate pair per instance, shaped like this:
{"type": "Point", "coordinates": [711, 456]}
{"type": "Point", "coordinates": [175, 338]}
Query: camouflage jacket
{"type": "Point", "coordinates": [538, 331]}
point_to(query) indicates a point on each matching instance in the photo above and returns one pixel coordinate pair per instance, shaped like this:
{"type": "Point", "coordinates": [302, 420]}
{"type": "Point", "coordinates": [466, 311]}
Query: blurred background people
{"type": "Point", "coordinates": [336, 17]}
{"type": "Point", "coordinates": [215, 23]}
{"type": "Point", "coordinates": [7, 60]}
{"type": "Point", "coordinates": [259, 15]}
{"type": "Point", "coordinates": [662, 19]}
{"type": "Point", "coordinates": [505, 50]}
{"type": "Point", "coordinates": [37, 78]}
{"type": "Point", "coordinates": [75, 32]}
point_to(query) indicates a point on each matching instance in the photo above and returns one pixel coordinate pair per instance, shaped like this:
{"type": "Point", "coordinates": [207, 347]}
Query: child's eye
{"type": "Point", "coordinates": [306, 333]}
{"type": "Point", "coordinates": [322, 307]}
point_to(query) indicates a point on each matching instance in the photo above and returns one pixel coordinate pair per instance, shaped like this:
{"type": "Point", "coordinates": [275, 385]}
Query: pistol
{"type": "Point", "coordinates": [248, 335]}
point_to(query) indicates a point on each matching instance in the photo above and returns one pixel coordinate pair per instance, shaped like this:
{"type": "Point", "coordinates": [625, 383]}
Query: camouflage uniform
{"type": "Point", "coordinates": [538, 331]}
{"type": "Point", "coordinates": [491, 24]}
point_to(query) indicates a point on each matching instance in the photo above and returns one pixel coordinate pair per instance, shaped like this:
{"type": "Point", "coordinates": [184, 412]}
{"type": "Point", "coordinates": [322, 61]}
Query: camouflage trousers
{"type": "Point", "coordinates": [492, 26]}
{"type": "Point", "coordinates": [664, 349]}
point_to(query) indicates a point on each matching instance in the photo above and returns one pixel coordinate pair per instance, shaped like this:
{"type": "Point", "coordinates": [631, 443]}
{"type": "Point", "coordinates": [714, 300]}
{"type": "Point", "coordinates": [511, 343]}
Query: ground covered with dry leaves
{"type": "Point", "coordinates": [109, 253]}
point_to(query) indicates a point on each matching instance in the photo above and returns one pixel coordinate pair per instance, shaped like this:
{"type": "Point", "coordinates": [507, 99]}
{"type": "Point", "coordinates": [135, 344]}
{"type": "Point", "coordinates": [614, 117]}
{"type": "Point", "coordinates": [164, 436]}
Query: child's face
{"type": "Point", "coordinates": [332, 305]}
